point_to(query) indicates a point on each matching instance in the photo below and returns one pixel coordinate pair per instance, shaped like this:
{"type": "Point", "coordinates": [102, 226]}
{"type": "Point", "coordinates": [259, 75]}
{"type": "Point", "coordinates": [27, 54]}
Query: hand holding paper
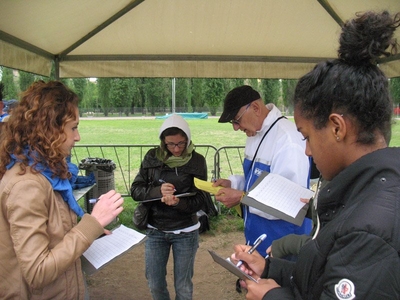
{"type": "Point", "coordinates": [109, 247]}
{"type": "Point", "coordinates": [225, 183]}
{"type": "Point", "coordinates": [280, 197]}
{"type": "Point", "coordinates": [254, 262]}
{"type": "Point", "coordinates": [206, 186]}
{"type": "Point", "coordinates": [259, 240]}
{"type": "Point", "coordinates": [227, 264]}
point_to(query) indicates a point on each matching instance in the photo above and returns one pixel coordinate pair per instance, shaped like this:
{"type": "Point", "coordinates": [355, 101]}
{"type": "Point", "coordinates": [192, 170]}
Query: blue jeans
{"type": "Point", "coordinates": [184, 248]}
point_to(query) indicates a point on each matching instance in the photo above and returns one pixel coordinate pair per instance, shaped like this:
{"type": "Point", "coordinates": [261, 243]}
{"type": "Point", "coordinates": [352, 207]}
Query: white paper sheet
{"type": "Point", "coordinates": [281, 194]}
{"type": "Point", "coordinates": [110, 246]}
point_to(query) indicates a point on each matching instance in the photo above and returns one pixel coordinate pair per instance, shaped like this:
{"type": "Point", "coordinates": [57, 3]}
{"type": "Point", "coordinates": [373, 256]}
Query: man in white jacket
{"type": "Point", "coordinates": [273, 145]}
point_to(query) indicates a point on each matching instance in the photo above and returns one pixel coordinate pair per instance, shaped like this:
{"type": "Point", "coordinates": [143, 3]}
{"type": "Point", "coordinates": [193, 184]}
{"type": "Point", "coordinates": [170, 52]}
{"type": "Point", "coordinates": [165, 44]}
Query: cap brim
{"type": "Point", "coordinates": [228, 116]}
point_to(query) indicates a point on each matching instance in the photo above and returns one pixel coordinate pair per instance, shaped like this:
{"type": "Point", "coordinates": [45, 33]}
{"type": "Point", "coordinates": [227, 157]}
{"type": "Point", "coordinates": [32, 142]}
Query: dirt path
{"type": "Point", "coordinates": [124, 278]}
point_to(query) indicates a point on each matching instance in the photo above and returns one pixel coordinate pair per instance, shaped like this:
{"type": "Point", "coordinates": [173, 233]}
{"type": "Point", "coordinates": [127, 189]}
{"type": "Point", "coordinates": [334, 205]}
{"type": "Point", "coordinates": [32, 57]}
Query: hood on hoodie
{"type": "Point", "coordinates": [179, 122]}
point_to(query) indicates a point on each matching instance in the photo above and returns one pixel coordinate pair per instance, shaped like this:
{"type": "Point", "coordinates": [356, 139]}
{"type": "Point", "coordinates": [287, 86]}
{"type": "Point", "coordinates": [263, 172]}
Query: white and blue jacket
{"type": "Point", "coordinates": [282, 152]}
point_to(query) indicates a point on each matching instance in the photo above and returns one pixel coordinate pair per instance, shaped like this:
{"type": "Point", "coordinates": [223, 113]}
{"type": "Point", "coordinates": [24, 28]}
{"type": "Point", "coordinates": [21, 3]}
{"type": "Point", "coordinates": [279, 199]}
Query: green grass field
{"type": "Point", "coordinates": [146, 131]}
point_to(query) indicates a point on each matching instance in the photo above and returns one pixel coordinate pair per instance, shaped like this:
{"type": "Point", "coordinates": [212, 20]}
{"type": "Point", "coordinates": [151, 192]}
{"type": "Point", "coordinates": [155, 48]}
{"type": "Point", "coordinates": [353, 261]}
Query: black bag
{"type": "Point", "coordinates": [140, 216]}
{"type": "Point", "coordinates": [208, 210]}
{"type": "Point", "coordinates": [141, 212]}
{"type": "Point", "coordinates": [208, 204]}
{"type": "Point", "coordinates": [204, 221]}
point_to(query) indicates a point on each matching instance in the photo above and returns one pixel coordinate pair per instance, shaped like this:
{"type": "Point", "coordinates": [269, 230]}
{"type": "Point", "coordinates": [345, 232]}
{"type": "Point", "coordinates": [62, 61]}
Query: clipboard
{"type": "Point", "coordinates": [296, 191]}
{"type": "Point", "coordinates": [188, 194]}
{"type": "Point", "coordinates": [227, 264]}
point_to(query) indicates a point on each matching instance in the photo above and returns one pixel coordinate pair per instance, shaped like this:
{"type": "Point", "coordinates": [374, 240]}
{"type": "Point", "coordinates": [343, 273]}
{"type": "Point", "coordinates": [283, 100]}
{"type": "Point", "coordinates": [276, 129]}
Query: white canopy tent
{"type": "Point", "coordinates": [177, 38]}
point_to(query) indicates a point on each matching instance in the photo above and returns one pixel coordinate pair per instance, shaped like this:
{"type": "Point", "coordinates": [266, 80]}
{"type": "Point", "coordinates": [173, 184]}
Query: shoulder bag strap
{"type": "Point", "coordinates": [262, 139]}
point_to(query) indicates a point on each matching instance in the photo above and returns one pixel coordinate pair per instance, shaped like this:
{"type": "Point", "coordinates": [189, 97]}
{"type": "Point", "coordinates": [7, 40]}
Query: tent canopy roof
{"type": "Point", "coordinates": [178, 38]}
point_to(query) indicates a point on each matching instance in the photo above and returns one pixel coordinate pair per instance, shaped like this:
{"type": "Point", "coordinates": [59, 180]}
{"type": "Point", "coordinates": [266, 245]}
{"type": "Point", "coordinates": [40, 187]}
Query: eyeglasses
{"type": "Point", "coordinates": [237, 121]}
{"type": "Point", "coordinates": [180, 145]}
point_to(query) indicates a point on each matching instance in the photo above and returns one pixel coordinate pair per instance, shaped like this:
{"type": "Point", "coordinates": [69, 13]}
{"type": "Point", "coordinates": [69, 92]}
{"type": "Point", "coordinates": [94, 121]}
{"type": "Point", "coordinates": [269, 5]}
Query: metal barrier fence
{"type": "Point", "coordinates": [221, 162]}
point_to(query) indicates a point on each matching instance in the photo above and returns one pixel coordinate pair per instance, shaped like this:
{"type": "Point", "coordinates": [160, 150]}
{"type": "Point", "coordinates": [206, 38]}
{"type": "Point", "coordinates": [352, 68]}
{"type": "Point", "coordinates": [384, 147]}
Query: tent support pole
{"type": "Point", "coordinates": [57, 68]}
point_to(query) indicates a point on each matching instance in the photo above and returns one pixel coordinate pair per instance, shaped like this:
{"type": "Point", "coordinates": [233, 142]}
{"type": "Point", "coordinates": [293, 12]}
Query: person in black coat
{"type": "Point", "coordinates": [166, 171]}
{"type": "Point", "coordinates": [344, 111]}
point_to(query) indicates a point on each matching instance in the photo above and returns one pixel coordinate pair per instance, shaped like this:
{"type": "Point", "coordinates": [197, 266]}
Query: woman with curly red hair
{"type": "Point", "coordinates": [40, 239]}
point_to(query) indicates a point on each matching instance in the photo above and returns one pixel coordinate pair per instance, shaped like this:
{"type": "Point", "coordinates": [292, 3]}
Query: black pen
{"type": "Point", "coordinates": [254, 247]}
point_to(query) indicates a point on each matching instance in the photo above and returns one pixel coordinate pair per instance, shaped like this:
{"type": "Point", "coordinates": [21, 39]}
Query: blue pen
{"type": "Point", "coordinates": [254, 247]}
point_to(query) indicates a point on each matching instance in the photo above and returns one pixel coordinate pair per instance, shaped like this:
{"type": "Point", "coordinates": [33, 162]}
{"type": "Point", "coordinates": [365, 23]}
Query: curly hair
{"type": "Point", "coordinates": [35, 131]}
{"type": "Point", "coordinates": [353, 84]}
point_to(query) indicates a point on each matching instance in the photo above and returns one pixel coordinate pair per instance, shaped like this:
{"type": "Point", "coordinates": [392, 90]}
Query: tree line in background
{"type": "Point", "coordinates": [151, 96]}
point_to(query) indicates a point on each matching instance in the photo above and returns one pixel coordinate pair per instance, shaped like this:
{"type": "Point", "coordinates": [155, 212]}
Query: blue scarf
{"type": "Point", "coordinates": [63, 186]}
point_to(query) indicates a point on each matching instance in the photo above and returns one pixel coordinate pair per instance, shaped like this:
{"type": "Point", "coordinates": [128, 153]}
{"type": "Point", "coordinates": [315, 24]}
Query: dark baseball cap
{"type": "Point", "coordinates": [235, 99]}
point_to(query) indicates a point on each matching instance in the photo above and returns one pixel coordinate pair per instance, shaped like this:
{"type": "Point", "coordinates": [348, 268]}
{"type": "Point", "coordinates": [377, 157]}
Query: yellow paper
{"type": "Point", "coordinates": [208, 187]}
{"type": "Point", "coordinates": [238, 210]}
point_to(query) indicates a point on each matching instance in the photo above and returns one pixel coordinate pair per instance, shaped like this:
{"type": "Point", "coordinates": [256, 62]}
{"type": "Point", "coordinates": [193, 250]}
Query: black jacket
{"type": "Point", "coordinates": [146, 185]}
{"type": "Point", "coordinates": [356, 251]}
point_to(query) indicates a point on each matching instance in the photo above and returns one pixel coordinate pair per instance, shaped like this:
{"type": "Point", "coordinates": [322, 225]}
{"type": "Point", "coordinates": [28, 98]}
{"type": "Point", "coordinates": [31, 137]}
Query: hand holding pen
{"type": "Point", "coordinates": [166, 188]}
{"type": "Point", "coordinates": [258, 241]}
{"type": "Point", "coordinates": [167, 191]}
